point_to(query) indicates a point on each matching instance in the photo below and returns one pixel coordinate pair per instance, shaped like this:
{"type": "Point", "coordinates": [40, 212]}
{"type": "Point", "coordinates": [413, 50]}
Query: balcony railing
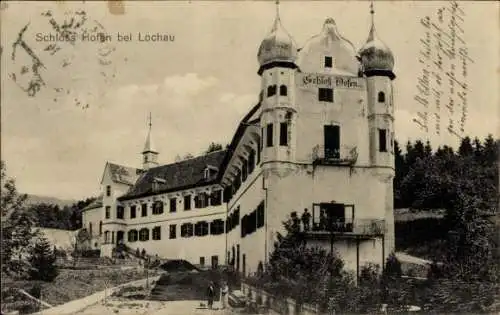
{"type": "Point", "coordinates": [346, 155]}
{"type": "Point", "coordinates": [349, 226]}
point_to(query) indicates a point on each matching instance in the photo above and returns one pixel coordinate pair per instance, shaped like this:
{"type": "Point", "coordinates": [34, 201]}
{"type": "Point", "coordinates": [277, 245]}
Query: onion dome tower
{"type": "Point", "coordinates": [278, 48]}
{"type": "Point", "coordinates": [376, 58]}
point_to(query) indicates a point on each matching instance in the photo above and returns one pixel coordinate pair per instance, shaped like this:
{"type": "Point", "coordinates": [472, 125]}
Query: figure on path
{"type": "Point", "coordinates": [224, 294]}
{"type": "Point", "coordinates": [211, 294]}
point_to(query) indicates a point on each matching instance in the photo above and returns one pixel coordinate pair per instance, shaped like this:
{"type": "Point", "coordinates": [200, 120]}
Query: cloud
{"type": "Point", "coordinates": [188, 84]}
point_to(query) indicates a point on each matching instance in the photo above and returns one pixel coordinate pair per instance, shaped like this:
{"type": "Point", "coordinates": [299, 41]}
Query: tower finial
{"type": "Point", "coordinates": [150, 121]}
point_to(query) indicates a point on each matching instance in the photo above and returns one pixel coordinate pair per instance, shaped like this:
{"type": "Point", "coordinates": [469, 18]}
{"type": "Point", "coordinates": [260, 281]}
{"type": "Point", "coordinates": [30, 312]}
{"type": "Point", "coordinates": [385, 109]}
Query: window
{"type": "Point", "coordinates": [228, 193]}
{"type": "Point", "coordinates": [283, 90]}
{"type": "Point", "coordinates": [158, 207]}
{"type": "Point", "coordinates": [244, 170]}
{"type": "Point", "coordinates": [173, 204]}
{"type": "Point", "coordinates": [201, 228]}
{"type": "Point", "coordinates": [283, 134]}
{"type": "Point", "coordinates": [328, 62]}
{"type": "Point", "coordinates": [217, 227]}
{"type": "Point", "coordinates": [100, 227]}
{"type": "Point", "coordinates": [201, 200]}
{"type": "Point", "coordinates": [144, 209]}
{"type": "Point", "coordinates": [132, 236]}
{"type": "Point", "coordinates": [187, 202]}
{"type": "Point", "coordinates": [260, 215]}
{"type": "Point", "coordinates": [237, 181]}
{"type": "Point", "coordinates": [244, 223]}
{"type": "Point", "coordinates": [216, 198]}
{"type": "Point", "coordinates": [382, 140]}
{"type": "Point", "coordinates": [106, 237]}
{"type": "Point", "coordinates": [157, 233]}
{"type": "Point", "coordinates": [332, 141]}
{"type": "Point", "coordinates": [392, 141]}
{"type": "Point", "coordinates": [215, 261]}
{"type": "Point", "coordinates": [173, 230]}
{"type": "Point", "coordinates": [90, 228]}
{"type": "Point", "coordinates": [251, 162]}
{"type": "Point", "coordinates": [187, 230]}
{"type": "Point", "coordinates": [269, 135]}
{"type": "Point", "coordinates": [108, 212]}
{"type": "Point", "coordinates": [381, 97]}
{"type": "Point", "coordinates": [258, 152]}
{"type": "Point", "coordinates": [133, 210]}
{"type": "Point", "coordinates": [144, 235]}
{"type": "Point", "coordinates": [120, 212]}
{"type": "Point", "coordinates": [325, 95]}
{"type": "Point", "coordinates": [271, 90]}
{"type": "Point", "coordinates": [202, 261]}
{"type": "Point", "coordinates": [108, 190]}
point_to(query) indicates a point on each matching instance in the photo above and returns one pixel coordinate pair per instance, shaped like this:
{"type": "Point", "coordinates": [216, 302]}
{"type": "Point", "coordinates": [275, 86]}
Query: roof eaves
{"type": "Point", "coordinates": [163, 191]}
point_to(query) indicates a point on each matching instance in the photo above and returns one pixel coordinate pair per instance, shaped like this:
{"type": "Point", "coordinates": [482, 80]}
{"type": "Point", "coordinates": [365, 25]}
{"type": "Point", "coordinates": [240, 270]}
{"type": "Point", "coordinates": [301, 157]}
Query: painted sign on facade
{"type": "Point", "coordinates": [314, 80]}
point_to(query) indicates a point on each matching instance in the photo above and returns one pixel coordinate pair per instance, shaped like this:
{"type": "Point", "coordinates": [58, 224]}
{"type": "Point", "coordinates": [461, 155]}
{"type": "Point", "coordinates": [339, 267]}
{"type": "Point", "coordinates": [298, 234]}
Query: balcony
{"type": "Point", "coordinates": [346, 155]}
{"type": "Point", "coordinates": [373, 227]}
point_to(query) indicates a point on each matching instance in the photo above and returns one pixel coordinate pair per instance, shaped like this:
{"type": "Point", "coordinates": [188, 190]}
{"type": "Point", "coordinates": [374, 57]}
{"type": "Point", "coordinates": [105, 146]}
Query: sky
{"type": "Point", "coordinates": [198, 86]}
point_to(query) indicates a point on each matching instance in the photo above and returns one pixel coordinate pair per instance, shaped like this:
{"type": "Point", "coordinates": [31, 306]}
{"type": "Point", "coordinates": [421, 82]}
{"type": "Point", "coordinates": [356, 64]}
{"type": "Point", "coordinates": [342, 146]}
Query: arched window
{"type": "Point", "coordinates": [271, 90]}
{"type": "Point", "coordinates": [132, 235]}
{"type": "Point", "coordinates": [283, 90]}
{"type": "Point", "coordinates": [144, 235]}
{"type": "Point", "coordinates": [381, 97]}
{"type": "Point", "coordinates": [100, 227]}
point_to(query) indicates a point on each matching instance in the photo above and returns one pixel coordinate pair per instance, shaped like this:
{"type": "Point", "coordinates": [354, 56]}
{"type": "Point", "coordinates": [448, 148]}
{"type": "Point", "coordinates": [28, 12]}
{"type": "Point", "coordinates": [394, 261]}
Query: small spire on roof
{"type": "Point", "coordinates": [148, 146]}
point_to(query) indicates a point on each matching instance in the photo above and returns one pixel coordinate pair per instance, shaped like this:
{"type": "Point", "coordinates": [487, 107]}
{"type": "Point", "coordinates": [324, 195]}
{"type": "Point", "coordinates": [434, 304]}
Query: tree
{"type": "Point", "coordinates": [465, 148]}
{"type": "Point", "coordinates": [43, 260]}
{"type": "Point", "coordinates": [213, 147]}
{"type": "Point", "coordinates": [17, 227]}
{"type": "Point", "coordinates": [10, 199]}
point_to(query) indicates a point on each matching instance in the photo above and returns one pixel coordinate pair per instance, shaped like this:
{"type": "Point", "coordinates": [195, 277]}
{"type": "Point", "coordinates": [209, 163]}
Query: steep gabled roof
{"type": "Point", "coordinates": [123, 174]}
{"type": "Point", "coordinates": [95, 204]}
{"type": "Point", "coordinates": [181, 175]}
{"type": "Point", "coordinates": [240, 131]}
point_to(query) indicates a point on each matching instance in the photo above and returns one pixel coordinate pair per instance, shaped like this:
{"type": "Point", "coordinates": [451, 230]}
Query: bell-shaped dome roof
{"type": "Point", "coordinates": [375, 55]}
{"type": "Point", "coordinates": [277, 46]}
{"type": "Point", "coordinates": [329, 42]}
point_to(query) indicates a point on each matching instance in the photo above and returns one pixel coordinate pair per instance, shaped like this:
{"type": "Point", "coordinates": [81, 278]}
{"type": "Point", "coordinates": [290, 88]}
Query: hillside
{"type": "Point", "coordinates": [36, 199]}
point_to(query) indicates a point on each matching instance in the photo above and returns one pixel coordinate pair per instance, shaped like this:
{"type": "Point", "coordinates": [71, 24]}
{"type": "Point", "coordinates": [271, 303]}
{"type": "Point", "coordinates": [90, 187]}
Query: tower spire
{"type": "Point", "coordinates": [277, 20]}
{"type": "Point", "coordinates": [148, 146]}
{"type": "Point", "coordinates": [371, 36]}
{"type": "Point", "coordinates": [150, 155]}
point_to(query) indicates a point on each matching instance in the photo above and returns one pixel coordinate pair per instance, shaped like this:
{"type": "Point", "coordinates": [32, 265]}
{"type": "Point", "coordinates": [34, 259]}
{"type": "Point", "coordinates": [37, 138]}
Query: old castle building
{"type": "Point", "coordinates": [320, 138]}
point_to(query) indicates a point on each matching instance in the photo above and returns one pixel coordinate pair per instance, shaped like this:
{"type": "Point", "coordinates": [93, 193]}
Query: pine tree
{"type": "Point", "coordinates": [43, 260]}
{"type": "Point", "coordinates": [465, 148]}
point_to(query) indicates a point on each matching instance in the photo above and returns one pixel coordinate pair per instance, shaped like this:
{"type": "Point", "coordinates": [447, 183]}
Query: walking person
{"type": "Point", "coordinates": [224, 294]}
{"type": "Point", "coordinates": [306, 219]}
{"type": "Point", "coordinates": [210, 295]}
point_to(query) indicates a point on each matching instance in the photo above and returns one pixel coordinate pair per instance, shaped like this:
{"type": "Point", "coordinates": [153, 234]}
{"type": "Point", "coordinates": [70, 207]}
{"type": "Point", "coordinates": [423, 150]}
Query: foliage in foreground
{"type": "Point", "coordinates": [314, 276]}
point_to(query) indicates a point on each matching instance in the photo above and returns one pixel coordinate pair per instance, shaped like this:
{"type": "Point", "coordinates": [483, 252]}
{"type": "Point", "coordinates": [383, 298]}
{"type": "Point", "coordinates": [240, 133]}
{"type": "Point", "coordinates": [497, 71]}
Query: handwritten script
{"type": "Point", "coordinates": [442, 89]}
{"type": "Point", "coordinates": [28, 60]}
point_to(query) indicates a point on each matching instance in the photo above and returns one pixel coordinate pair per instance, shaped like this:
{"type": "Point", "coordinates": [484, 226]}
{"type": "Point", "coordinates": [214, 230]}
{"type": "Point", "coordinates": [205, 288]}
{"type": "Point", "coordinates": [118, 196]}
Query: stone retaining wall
{"type": "Point", "coordinates": [283, 307]}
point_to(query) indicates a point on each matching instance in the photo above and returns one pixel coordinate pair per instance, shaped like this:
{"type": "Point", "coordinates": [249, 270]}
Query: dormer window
{"type": "Point", "coordinates": [210, 171]}
{"type": "Point", "coordinates": [108, 190]}
{"type": "Point", "coordinates": [328, 62]}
